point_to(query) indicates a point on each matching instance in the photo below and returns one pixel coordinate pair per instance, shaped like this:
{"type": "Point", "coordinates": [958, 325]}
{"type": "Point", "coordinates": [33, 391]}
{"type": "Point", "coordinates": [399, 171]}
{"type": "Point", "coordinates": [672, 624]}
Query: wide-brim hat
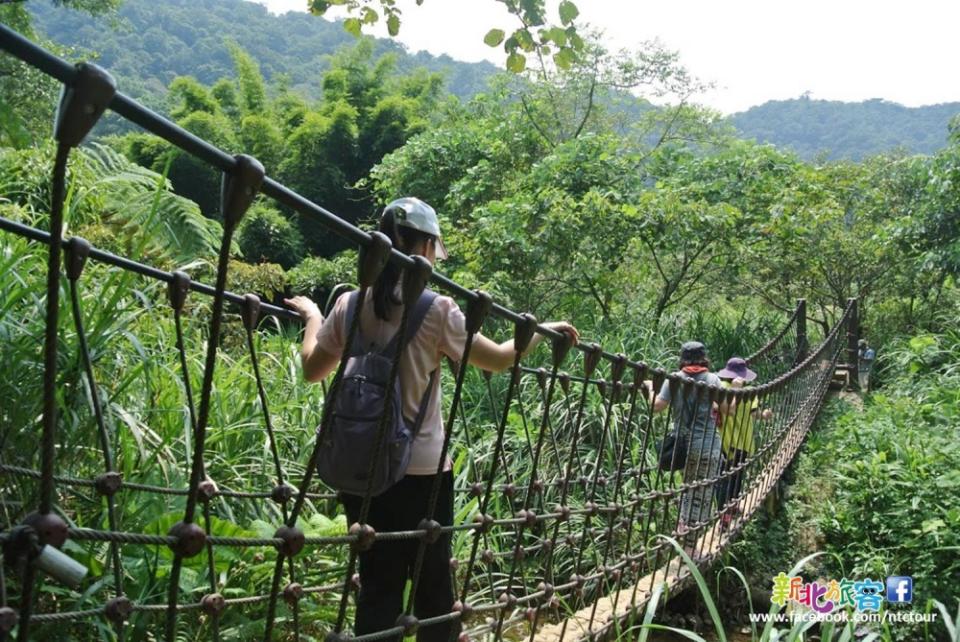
{"type": "Point", "coordinates": [414, 213]}
{"type": "Point", "coordinates": [737, 368]}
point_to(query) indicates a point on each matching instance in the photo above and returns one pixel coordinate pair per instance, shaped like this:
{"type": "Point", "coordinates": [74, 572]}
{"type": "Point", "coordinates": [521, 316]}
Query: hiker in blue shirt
{"type": "Point", "coordinates": [866, 356]}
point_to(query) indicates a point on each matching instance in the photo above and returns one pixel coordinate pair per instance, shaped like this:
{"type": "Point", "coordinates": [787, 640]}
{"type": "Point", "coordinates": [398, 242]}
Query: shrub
{"type": "Point", "coordinates": [266, 236]}
{"type": "Point", "coordinates": [316, 277]}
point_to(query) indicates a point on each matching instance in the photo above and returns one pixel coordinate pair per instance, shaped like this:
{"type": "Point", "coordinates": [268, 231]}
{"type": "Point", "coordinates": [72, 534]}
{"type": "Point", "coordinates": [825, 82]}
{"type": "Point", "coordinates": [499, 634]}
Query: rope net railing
{"type": "Point", "coordinates": [564, 475]}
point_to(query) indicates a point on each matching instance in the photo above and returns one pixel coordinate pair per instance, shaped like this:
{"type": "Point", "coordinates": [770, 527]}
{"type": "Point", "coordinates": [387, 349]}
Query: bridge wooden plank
{"type": "Point", "coordinates": [617, 606]}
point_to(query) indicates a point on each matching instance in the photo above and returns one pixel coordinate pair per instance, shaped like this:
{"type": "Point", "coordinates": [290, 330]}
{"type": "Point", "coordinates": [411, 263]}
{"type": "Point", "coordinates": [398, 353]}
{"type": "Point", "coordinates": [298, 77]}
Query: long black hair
{"type": "Point", "coordinates": [404, 239]}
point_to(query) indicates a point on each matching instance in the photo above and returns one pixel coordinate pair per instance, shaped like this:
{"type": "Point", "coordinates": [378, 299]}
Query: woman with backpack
{"type": "Point", "coordinates": [436, 329]}
{"type": "Point", "coordinates": [694, 426]}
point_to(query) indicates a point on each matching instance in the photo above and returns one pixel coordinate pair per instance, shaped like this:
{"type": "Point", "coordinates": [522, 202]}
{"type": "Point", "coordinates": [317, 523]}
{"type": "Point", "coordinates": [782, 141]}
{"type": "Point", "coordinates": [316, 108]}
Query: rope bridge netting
{"type": "Point", "coordinates": [561, 489]}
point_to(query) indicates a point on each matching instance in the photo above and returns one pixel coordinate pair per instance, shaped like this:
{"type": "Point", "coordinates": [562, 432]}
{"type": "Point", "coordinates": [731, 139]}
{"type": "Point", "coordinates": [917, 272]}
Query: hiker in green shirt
{"type": "Point", "coordinates": [737, 441]}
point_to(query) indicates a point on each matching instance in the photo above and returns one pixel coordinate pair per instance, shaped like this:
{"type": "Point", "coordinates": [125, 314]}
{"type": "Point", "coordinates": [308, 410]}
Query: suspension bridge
{"type": "Point", "coordinates": [565, 547]}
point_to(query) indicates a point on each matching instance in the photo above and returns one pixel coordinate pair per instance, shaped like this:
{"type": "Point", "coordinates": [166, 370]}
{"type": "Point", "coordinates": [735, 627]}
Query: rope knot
{"type": "Point", "coordinates": [212, 604]}
{"type": "Point", "coordinates": [409, 623]}
{"type": "Point", "coordinates": [190, 539]}
{"type": "Point", "coordinates": [118, 609]}
{"type": "Point", "coordinates": [292, 593]}
{"type": "Point", "coordinates": [432, 531]}
{"type": "Point", "coordinates": [365, 536]}
{"type": "Point", "coordinates": [108, 484]}
{"type": "Point", "coordinates": [293, 540]}
{"type": "Point", "coordinates": [8, 619]}
{"type": "Point", "coordinates": [282, 493]}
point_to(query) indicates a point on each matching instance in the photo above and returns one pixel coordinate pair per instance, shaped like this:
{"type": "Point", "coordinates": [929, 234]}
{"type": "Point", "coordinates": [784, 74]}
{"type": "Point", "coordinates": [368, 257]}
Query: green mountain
{"type": "Point", "coordinates": [847, 130]}
{"type": "Point", "coordinates": [148, 43]}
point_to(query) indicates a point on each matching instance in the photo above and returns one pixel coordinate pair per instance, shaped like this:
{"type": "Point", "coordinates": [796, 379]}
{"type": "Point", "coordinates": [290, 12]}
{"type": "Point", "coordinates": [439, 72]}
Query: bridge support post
{"type": "Point", "coordinates": [802, 343]}
{"type": "Point", "coordinates": [853, 339]}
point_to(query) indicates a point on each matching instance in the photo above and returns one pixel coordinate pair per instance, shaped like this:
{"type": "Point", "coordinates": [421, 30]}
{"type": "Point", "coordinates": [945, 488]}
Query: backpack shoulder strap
{"type": "Point", "coordinates": [356, 348]}
{"type": "Point", "coordinates": [414, 321]}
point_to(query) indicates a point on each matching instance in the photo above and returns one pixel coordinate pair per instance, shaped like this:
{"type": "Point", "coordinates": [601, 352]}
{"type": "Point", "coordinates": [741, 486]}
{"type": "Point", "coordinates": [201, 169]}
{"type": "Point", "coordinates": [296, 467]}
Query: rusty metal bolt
{"type": "Point", "coordinates": [409, 623]}
{"type": "Point", "coordinates": [523, 331]}
{"type": "Point", "coordinates": [432, 530]}
{"type": "Point", "coordinates": [584, 481]}
{"type": "Point", "coordinates": [476, 489]}
{"type": "Point", "coordinates": [454, 564]}
{"type": "Point", "coordinates": [617, 390]}
{"type": "Point", "coordinates": [536, 486]}
{"type": "Point", "coordinates": [118, 609]}
{"type": "Point", "coordinates": [625, 523]}
{"type": "Point", "coordinates": [591, 508]}
{"type": "Point", "coordinates": [282, 493]}
{"type": "Point", "coordinates": [212, 604]}
{"type": "Point", "coordinates": [615, 575]}
{"type": "Point", "coordinates": [50, 528]}
{"type": "Point", "coordinates": [578, 579]}
{"type": "Point", "coordinates": [509, 490]}
{"type": "Point", "coordinates": [542, 377]}
{"type": "Point", "coordinates": [465, 611]}
{"type": "Point", "coordinates": [488, 556]}
{"type": "Point", "coordinates": [207, 490]}
{"type": "Point", "coordinates": [529, 517]}
{"type": "Point", "coordinates": [250, 311]}
{"type": "Point", "coordinates": [190, 539]}
{"type": "Point", "coordinates": [564, 380]}
{"type": "Point", "coordinates": [614, 509]}
{"type": "Point", "coordinates": [508, 599]}
{"type": "Point", "coordinates": [292, 593]}
{"type": "Point", "coordinates": [239, 187]}
{"type": "Point", "coordinates": [484, 522]}
{"type": "Point", "coordinates": [519, 553]}
{"type": "Point", "coordinates": [591, 358]}
{"type": "Point", "coordinates": [365, 535]}
{"type": "Point", "coordinates": [564, 513]}
{"type": "Point", "coordinates": [602, 388]}
{"type": "Point", "coordinates": [177, 289]}
{"type": "Point", "coordinates": [531, 615]}
{"type": "Point", "coordinates": [108, 484]}
{"type": "Point", "coordinates": [546, 545]}
{"type": "Point", "coordinates": [554, 603]}
{"type": "Point", "coordinates": [8, 619]}
{"type": "Point", "coordinates": [547, 589]}
{"type": "Point", "coordinates": [78, 249]}
{"type": "Point", "coordinates": [477, 310]}
{"type": "Point", "coordinates": [293, 540]}
{"type": "Point", "coordinates": [601, 482]}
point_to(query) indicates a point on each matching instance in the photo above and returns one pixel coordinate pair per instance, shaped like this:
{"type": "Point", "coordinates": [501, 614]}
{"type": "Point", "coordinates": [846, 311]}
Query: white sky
{"type": "Point", "coordinates": [906, 51]}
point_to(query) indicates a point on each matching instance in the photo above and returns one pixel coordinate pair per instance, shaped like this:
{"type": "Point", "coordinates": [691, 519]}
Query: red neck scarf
{"type": "Point", "coordinates": [692, 370]}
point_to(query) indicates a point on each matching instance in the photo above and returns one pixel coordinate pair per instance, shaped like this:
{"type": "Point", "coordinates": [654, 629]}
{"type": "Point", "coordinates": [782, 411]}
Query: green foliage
{"type": "Point", "coordinates": [266, 280]}
{"type": "Point", "coordinates": [130, 207]}
{"type": "Point", "coordinates": [266, 236]}
{"type": "Point", "coordinates": [316, 277]}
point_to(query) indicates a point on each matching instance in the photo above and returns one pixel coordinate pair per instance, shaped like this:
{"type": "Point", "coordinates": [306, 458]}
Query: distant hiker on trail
{"type": "Point", "coordinates": [694, 423]}
{"type": "Point", "coordinates": [440, 331]}
{"type": "Point", "coordinates": [737, 441]}
{"type": "Point", "coordinates": [866, 356]}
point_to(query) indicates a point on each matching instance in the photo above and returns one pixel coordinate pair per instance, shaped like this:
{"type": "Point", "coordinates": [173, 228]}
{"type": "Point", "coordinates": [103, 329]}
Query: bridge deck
{"type": "Point", "coordinates": [618, 605]}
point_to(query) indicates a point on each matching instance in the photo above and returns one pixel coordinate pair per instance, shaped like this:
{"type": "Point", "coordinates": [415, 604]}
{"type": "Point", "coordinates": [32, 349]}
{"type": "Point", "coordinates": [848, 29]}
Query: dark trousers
{"type": "Point", "coordinates": [386, 566]}
{"type": "Point", "coordinates": [730, 487]}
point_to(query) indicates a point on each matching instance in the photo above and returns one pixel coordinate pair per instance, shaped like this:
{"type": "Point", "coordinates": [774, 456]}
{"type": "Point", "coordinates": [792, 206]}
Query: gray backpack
{"type": "Point", "coordinates": [345, 457]}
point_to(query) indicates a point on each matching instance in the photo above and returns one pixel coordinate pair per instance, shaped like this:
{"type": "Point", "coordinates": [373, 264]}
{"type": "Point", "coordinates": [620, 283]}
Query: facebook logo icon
{"type": "Point", "coordinates": [899, 589]}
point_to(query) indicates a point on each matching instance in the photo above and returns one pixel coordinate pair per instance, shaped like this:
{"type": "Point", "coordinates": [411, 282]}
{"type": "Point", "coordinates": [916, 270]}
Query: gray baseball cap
{"type": "Point", "coordinates": [412, 212]}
